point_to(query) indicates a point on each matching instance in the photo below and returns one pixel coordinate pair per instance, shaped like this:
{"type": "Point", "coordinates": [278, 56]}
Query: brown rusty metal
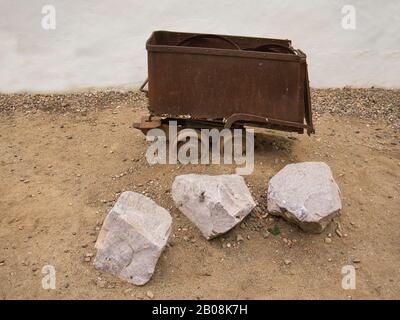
{"type": "Point", "coordinates": [218, 77]}
{"type": "Point", "coordinates": [207, 36]}
{"type": "Point", "coordinates": [142, 89]}
{"type": "Point", "coordinates": [250, 118]}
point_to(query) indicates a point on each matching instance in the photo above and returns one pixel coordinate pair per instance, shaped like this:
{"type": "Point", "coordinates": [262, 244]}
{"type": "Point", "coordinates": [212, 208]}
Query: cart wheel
{"type": "Point", "coordinates": [187, 140]}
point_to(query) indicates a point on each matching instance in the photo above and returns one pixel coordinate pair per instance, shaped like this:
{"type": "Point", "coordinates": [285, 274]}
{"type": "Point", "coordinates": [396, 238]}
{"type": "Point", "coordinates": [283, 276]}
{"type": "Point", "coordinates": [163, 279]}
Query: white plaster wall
{"type": "Point", "coordinates": [101, 44]}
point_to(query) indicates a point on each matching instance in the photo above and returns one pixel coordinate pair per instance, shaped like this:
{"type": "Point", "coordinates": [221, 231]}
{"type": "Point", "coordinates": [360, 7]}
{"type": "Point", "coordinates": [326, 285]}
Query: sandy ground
{"type": "Point", "coordinates": [61, 172]}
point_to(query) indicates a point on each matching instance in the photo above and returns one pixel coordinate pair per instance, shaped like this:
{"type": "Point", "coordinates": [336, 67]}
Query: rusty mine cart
{"type": "Point", "coordinates": [219, 81]}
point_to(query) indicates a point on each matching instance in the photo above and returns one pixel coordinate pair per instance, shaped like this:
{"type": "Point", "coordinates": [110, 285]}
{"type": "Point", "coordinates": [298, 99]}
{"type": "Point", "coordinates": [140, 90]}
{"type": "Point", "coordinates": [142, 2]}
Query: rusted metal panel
{"type": "Point", "coordinates": [219, 77]}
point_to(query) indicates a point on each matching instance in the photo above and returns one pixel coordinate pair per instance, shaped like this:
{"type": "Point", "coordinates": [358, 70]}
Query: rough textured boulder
{"type": "Point", "coordinates": [215, 204]}
{"type": "Point", "coordinates": [306, 194]}
{"type": "Point", "coordinates": [132, 238]}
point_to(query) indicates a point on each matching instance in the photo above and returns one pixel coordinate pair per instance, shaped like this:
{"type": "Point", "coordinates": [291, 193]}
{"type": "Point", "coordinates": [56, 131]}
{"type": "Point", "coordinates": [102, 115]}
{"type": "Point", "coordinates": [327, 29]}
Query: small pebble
{"type": "Point", "coordinates": [266, 234]}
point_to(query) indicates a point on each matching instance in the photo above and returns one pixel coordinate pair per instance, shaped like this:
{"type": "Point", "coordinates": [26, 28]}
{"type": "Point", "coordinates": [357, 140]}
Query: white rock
{"type": "Point", "coordinates": [132, 238]}
{"type": "Point", "coordinates": [215, 204]}
{"type": "Point", "coordinates": [306, 194]}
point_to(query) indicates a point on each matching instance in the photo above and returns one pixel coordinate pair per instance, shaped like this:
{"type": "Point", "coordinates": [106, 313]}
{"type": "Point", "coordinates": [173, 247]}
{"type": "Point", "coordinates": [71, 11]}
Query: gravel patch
{"type": "Point", "coordinates": [74, 102]}
{"type": "Point", "coordinates": [371, 104]}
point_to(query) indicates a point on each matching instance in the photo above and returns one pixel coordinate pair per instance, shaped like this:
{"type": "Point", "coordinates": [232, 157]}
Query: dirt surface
{"type": "Point", "coordinates": [64, 161]}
